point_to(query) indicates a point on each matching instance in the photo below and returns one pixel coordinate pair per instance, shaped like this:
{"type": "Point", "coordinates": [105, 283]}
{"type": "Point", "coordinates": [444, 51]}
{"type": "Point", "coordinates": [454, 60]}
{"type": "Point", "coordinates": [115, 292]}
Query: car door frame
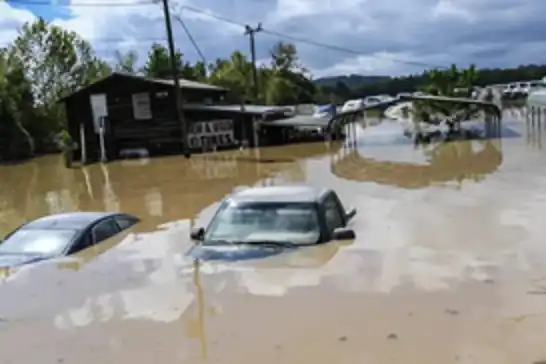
{"type": "Point", "coordinates": [322, 203]}
{"type": "Point", "coordinates": [88, 233]}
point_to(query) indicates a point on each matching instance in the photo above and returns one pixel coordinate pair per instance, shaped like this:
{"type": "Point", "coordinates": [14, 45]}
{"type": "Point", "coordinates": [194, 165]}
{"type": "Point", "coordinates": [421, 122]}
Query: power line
{"type": "Point", "coordinates": [307, 41]}
{"type": "Point", "coordinates": [233, 22]}
{"type": "Point", "coordinates": [212, 15]}
{"type": "Point", "coordinates": [83, 3]}
{"type": "Point", "coordinates": [190, 37]}
{"type": "Point", "coordinates": [343, 49]}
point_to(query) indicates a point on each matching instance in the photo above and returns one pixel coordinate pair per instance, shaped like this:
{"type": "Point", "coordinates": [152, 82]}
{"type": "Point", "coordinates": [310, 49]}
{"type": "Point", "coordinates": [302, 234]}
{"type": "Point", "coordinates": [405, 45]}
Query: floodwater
{"type": "Point", "coordinates": [449, 265]}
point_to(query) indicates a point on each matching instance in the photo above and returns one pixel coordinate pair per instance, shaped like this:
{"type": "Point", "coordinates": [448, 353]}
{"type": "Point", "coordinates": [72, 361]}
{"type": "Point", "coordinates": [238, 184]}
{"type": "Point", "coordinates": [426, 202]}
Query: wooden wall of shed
{"type": "Point", "coordinates": [126, 131]}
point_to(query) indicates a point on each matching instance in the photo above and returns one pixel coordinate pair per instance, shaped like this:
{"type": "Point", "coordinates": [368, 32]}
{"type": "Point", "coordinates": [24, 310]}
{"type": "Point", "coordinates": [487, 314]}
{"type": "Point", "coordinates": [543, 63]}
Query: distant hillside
{"type": "Point", "coordinates": [351, 81]}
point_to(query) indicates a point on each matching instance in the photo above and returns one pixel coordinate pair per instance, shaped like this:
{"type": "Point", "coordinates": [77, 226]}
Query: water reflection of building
{"type": "Point", "coordinates": [159, 191]}
{"type": "Point", "coordinates": [440, 162]}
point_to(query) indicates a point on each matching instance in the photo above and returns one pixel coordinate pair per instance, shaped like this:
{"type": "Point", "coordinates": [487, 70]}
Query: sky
{"type": "Point", "coordinates": [387, 37]}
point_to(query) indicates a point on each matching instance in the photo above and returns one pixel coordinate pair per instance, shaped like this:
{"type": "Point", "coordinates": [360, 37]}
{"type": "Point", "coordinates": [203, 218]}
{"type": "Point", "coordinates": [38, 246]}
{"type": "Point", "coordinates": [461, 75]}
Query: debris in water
{"type": "Point", "coordinates": [342, 338]}
{"type": "Point", "coordinates": [392, 336]}
{"type": "Point", "coordinates": [450, 311]}
{"type": "Point", "coordinates": [540, 291]}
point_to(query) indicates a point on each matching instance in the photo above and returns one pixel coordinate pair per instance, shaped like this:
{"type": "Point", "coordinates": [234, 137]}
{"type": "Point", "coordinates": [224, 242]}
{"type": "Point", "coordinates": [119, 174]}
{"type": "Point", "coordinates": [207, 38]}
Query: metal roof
{"type": "Point", "coordinates": [301, 121]}
{"type": "Point", "coordinates": [279, 194]}
{"type": "Point", "coordinates": [246, 109]}
{"type": "Point", "coordinates": [186, 84]}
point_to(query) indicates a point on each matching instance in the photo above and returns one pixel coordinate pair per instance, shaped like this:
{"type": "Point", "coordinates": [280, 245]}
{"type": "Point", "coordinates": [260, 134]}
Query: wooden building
{"type": "Point", "coordinates": [136, 113]}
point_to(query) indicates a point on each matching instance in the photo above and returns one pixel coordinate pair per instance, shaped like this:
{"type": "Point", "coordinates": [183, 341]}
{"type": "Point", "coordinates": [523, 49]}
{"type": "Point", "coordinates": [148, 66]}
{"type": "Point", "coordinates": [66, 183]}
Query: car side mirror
{"type": "Point", "coordinates": [350, 213]}
{"type": "Point", "coordinates": [343, 234]}
{"type": "Point", "coordinates": [197, 234]}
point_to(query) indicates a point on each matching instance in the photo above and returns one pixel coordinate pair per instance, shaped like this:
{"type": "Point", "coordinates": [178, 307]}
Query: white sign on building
{"type": "Point", "coordinates": [142, 106]}
{"type": "Point", "coordinates": [211, 134]}
{"type": "Point", "coordinates": [99, 110]}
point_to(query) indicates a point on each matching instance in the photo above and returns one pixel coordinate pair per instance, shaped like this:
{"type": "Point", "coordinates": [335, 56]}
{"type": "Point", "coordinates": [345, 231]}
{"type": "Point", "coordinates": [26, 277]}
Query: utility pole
{"type": "Point", "coordinates": [176, 78]}
{"type": "Point", "coordinates": [251, 32]}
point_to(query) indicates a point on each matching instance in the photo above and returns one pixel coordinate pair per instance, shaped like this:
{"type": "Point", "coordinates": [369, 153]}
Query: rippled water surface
{"type": "Point", "coordinates": [449, 265]}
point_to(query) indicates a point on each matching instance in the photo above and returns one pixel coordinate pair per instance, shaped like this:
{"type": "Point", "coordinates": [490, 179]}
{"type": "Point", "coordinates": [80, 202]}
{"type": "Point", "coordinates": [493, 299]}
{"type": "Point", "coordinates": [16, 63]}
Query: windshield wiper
{"type": "Point", "coordinates": [285, 244]}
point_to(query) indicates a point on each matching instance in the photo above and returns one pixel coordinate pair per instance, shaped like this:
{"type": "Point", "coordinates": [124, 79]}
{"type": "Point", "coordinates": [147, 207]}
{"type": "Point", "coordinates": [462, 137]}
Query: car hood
{"type": "Point", "coordinates": [228, 252]}
{"type": "Point", "coordinates": [14, 260]}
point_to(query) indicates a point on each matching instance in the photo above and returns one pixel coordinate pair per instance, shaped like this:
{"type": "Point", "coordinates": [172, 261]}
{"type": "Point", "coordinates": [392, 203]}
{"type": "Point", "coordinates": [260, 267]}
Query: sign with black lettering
{"type": "Point", "coordinates": [211, 134]}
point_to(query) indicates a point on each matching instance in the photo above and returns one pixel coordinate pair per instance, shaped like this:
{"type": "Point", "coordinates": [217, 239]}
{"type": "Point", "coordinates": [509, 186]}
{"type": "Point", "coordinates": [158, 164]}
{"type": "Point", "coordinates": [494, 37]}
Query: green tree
{"type": "Point", "coordinates": [57, 62]}
{"type": "Point", "coordinates": [235, 74]}
{"type": "Point", "coordinates": [126, 62]}
{"type": "Point", "coordinates": [158, 64]}
{"type": "Point", "coordinates": [287, 82]}
{"type": "Point", "coordinates": [16, 108]}
{"type": "Point", "coordinates": [446, 83]}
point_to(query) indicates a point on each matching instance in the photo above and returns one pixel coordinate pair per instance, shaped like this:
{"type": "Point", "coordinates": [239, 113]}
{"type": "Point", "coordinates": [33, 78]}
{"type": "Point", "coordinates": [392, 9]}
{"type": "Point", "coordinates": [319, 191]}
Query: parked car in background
{"type": "Point", "coordinates": [59, 235]}
{"type": "Point", "coordinates": [372, 100]}
{"type": "Point", "coordinates": [324, 111]}
{"type": "Point", "coordinates": [509, 91]}
{"type": "Point", "coordinates": [351, 105]}
{"type": "Point", "coordinates": [285, 217]}
{"type": "Point", "coordinates": [521, 89]}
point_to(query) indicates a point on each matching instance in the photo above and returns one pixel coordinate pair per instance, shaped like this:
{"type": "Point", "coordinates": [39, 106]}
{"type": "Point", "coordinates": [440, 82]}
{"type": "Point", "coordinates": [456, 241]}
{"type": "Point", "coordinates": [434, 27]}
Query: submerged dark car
{"type": "Point", "coordinates": [264, 221]}
{"type": "Point", "coordinates": [59, 235]}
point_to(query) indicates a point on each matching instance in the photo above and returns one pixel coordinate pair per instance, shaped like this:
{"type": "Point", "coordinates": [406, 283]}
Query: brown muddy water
{"type": "Point", "coordinates": [449, 265]}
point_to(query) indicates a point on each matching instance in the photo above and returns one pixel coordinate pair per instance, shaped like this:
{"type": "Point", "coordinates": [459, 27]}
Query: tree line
{"type": "Point", "coordinates": [45, 63]}
{"type": "Point", "coordinates": [395, 85]}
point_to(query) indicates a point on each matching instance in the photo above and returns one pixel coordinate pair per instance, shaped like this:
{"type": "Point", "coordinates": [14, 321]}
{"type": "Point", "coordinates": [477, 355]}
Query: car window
{"type": "Point", "coordinates": [296, 222]}
{"type": "Point", "coordinates": [104, 230]}
{"type": "Point", "coordinates": [83, 243]}
{"type": "Point", "coordinates": [333, 216]}
{"type": "Point", "coordinates": [125, 222]}
{"type": "Point", "coordinates": [37, 241]}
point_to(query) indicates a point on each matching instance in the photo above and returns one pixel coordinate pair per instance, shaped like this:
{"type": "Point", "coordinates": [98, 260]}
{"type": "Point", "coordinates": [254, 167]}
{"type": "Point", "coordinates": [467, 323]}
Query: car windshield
{"type": "Point", "coordinates": [253, 222]}
{"type": "Point", "coordinates": [37, 241]}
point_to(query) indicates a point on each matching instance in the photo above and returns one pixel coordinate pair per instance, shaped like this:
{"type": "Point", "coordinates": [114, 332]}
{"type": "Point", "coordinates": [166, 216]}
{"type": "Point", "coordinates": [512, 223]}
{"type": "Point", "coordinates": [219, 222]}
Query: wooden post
{"type": "Point", "coordinates": [103, 158]}
{"type": "Point", "coordinates": [83, 145]}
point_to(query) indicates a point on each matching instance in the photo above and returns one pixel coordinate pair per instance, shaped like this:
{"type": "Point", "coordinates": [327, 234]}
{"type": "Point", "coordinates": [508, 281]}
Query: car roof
{"type": "Point", "coordinates": [68, 220]}
{"type": "Point", "coordinates": [279, 194]}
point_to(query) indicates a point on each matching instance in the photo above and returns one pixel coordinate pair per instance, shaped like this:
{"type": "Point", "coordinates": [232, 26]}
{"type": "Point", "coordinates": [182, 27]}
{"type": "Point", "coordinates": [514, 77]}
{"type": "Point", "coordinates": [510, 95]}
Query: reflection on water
{"type": "Point", "coordinates": [196, 327]}
{"type": "Point", "coordinates": [428, 164]}
{"type": "Point", "coordinates": [534, 131]}
{"type": "Point", "coordinates": [160, 191]}
{"type": "Point", "coordinates": [436, 274]}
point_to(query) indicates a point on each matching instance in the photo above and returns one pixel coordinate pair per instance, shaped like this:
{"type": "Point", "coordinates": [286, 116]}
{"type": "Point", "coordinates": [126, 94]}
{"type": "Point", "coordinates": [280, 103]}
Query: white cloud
{"type": "Point", "coordinates": [490, 33]}
{"type": "Point", "coordinates": [10, 20]}
{"type": "Point", "coordinates": [447, 8]}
